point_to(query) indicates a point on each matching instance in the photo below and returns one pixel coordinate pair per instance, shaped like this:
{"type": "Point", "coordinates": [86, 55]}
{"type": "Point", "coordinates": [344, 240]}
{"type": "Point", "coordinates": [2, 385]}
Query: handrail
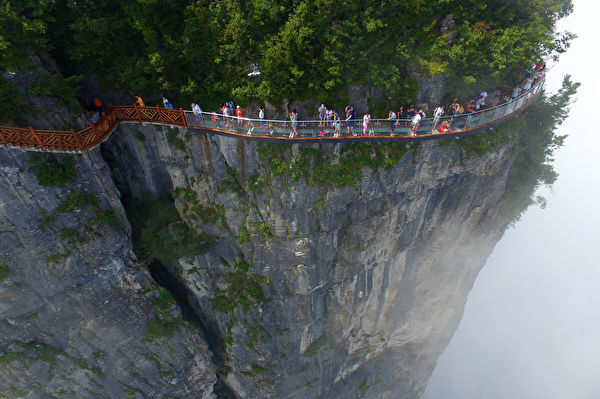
{"type": "Point", "coordinates": [30, 139]}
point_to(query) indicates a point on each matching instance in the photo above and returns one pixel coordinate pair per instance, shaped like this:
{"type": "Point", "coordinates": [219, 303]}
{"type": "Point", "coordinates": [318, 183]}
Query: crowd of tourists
{"type": "Point", "coordinates": [406, 117]}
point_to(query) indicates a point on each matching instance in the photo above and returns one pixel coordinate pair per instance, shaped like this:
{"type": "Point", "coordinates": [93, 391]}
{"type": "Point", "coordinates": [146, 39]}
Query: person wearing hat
{"type": "Point", "coordinates": [238, 112]}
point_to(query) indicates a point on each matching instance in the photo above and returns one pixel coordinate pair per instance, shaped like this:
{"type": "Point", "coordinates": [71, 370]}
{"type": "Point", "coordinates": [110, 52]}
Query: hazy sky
{"type": "Point", "coordinates": [531, 327]}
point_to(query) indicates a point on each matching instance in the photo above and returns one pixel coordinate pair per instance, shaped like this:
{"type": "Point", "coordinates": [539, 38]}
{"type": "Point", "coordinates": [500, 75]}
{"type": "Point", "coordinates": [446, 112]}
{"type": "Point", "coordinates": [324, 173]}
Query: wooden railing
{"type": "Point", "coordinates": [30, 139]}
{"type": "Point", "coordinates": [89, 137]}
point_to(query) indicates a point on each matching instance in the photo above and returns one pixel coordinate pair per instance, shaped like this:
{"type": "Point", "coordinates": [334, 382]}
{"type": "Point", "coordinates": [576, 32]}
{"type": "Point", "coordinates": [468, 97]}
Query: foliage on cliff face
{"type": "Point", "coordinates": [12, 101]}
{"type": "Point", "coordinates": [201, 50]}
{"type": "Point", "coordinates": [327, 171]}
{"type": "Point", "coordinates": [536, 141]}
{"type": "Point", "coordinates": [160, 233]}
{"type": "Point", "coordinates": [533, 135]}
{"type": "Point", "coordinates": [51, 172]}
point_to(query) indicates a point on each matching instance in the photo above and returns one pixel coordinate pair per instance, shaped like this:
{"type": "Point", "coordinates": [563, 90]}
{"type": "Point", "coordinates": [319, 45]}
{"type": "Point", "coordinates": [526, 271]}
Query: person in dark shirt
{"type": "Point", "coordinates": [349, 119]}
{"type": "Point", "coordinates": [401, 114]}
{"type": "Point", "coordinates": [410, 112]}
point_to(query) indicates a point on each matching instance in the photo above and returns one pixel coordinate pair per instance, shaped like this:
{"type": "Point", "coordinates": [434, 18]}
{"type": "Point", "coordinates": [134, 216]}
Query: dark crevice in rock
{"type": "Point", "coordinates": [189, 310]}
{"type": "Point", "coordinates": [186, 300]}
{"type": "Point", "coordinates": [183, 297]}
{"type": "Point", "coordinates": [166, 279]}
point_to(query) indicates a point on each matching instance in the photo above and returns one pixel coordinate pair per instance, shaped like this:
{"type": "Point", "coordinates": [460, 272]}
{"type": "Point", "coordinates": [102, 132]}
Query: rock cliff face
{"type": "Point", "coordinates": [43, 111]}
{"type": "Point", "coordinates": [312, 291]}
{"type": "Point", "coordinates": [79, 316]}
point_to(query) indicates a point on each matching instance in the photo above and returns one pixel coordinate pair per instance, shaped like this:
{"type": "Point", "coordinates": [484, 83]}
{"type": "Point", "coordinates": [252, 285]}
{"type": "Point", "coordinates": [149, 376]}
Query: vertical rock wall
{"type": "Point", "coordinates": [76, 307]}
{"type": "Point", "coordinates": [363, 286]}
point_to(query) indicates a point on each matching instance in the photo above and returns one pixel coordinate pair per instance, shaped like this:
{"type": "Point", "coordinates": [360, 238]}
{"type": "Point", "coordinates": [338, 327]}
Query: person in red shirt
{"type": "Point", "coordinates": [238, 112]}
{"type": "Point", "coordinates": [445, 127]}
{"type": "Point", "coordinates": [470, 110]}
{"type": "Point", "coordinates": [97, 105]}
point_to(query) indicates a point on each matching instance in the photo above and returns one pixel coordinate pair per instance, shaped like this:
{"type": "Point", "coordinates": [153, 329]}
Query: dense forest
{"type": "Point", "coordinates": [202, 50]}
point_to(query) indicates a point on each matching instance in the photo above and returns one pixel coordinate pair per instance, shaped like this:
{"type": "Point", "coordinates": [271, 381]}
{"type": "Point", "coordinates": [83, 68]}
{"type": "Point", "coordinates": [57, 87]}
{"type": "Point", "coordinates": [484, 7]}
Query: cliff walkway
{"type": "Point", "coordinates": [70, 141]}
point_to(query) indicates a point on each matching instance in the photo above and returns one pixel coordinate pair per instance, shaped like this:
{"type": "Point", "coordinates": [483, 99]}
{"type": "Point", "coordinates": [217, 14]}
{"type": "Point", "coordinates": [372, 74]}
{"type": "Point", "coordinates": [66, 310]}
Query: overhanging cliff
{"type": "Point", "coordinates": [312, 290]}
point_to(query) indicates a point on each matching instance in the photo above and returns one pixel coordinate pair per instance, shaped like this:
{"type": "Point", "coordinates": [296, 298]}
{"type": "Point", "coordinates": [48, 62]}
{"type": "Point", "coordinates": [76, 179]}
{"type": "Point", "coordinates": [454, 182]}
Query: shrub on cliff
{"type": "Point", "coordinates": [12, 104]}
{"type": "Point", "coordinates": [50, 172]}
{"type": "Point", "coordinates": [160, 233]}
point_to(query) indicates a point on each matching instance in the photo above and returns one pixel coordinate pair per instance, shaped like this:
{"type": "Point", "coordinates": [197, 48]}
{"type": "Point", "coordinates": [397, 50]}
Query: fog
{"type": "Point", "coordinates": [531, 327]}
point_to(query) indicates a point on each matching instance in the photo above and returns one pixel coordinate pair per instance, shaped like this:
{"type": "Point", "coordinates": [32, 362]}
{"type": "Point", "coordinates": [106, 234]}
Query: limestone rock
{"type": "Point", "coordinates": [363, 285]}
{"type": "Point", "coordinates": [76, 306]}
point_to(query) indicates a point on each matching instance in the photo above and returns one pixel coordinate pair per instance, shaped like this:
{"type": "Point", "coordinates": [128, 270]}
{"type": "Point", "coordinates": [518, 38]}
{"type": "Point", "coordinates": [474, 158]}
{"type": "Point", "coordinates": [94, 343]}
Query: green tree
{"type": "Point", "coordinates": [200, 49]}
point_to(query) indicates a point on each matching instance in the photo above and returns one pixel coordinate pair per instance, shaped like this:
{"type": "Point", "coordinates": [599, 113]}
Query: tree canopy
{"type": "Point", "coordinates": [200, 50]}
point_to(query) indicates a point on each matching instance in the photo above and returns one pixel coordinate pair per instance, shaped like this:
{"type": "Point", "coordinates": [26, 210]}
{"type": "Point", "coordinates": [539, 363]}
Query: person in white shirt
{"type": "Point", "coordinates": [322, 114]}
{"type": "Point", "coordinates": [437, 114]}
{"type": "Point", "coordinates": [516, 92]}
{"type": "Point", "coordinates": [479, 103]}
{"type": "Point", "coordinates": [261, 116]}
{"type": "Point", "coordinates": [329, 115]}
{"type": "Point", "coordinates": [415, 123]}
{"type": "Point", "coordinates": [392, 119]}
{"type": "Point", "coordinates": [366, 120]}
{"type": "Point", "coordinates": [197, 111]}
